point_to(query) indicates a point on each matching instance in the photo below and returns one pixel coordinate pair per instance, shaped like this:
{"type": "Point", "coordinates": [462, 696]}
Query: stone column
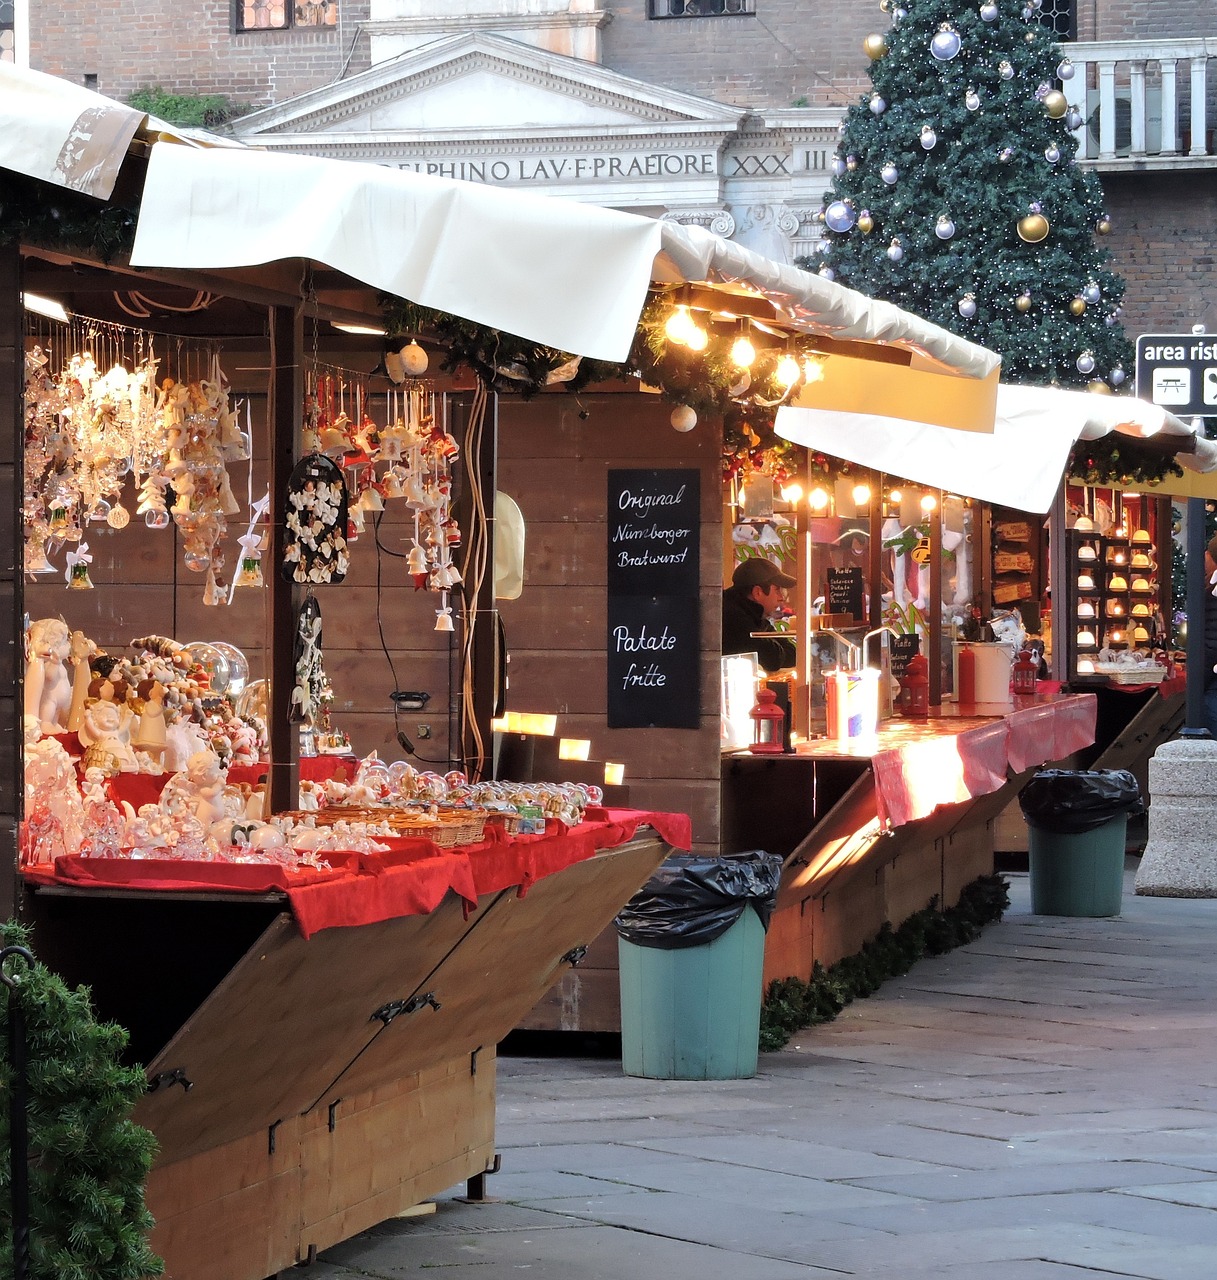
{"type": "Point", "coordinates": [1180, 859]}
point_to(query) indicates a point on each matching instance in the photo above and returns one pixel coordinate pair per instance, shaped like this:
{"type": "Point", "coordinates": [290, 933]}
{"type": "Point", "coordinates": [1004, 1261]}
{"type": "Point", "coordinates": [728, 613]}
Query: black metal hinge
{"type": "Point", "coordinates": [387, 1012]}
{"type": "Point", "coordinates": [166, 1079]}
{"type": "Point", "coordinates": [574, 957]}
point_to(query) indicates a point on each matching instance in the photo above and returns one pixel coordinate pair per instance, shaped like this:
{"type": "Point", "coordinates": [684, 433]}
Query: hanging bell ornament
{"type": "Point", "coordinates": [1023, 302]}
{"type": "Point", "coordinates": [683, 418]}
{"type": "Point", "coordinates": [1055, 104]}
{"type": "Point", "coordinates": [1033, 228]}
{"type": "Point", "coordinates": [866, 224]}
{"type": "Point", "coordinates": [443, 619]}
{"type": "Point", "coordinates": [416, 561]}
{"type": "Point", "coordinates": [874, 46]}
{"type": "Point", "coordinates": [1077, 306]}
{"type": "Point", "coordinates": [77, 570]}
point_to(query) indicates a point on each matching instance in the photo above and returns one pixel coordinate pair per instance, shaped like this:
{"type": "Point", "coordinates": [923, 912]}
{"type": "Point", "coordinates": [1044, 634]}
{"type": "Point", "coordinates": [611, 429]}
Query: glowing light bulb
{"type": "Point", "coordinates": [697, 339]}
{"type": "Point", "coordinates": [861, 494]}
{"type": "Point", "coordinates": [792, 492]}
{"type": "Point", "coordinates": [679, 325]}
{"type": "Point", "coordinates": [928, 502]}
{"type": "Point", "coordinates": [743, 353]}
{"type": "Point", "coordinates": [895, 496]}
{"type": "Point", "coordinates": [817, 499]}
{"type": "Point", "coordinates": [787, 371]}
{"type": "Point", "coordinates": [813, 369]}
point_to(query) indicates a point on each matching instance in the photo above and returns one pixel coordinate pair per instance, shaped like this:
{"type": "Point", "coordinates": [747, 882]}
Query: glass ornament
{"type": "Point", "coordinates": [1085, 362]}
{"type": "Point", "coordinates": [877, 104]}
{"type": "Point", "coordinates": [1117, 376]}
{"type": "Point", "coordinates": [238, 666]}
{"type": "Point", "coordinates": [895, 250]}
{"type": "Point", "coordinates": [890, 174]}
{"type": "Point", "coordinates": [1052, 153]}
{"type": "Point", "coordinates": [196, 560]}
{"type": "Point", "coordinates": [967, 306]}
{"type": "Point", "coordinates": [989, 12]}
{"type": "Point", "coordinates": [971, 100]}
{"type": "Point", "coordinates": [212, 661]}
{"type": "Point", "coordinates": [929, 139]}
{"type": "Point", "coordinates": [944, 228]}
{"type": "Point", "coordinates": [1005, 70]}
{"type": "Point", "coordinates": [946, 43]}
{"type": "Point", "coordinates": [840, 216]}
{"type": "Point", "coordinates": [1092, 293]}
{"type": "Point", "coordinates": [157, 519]}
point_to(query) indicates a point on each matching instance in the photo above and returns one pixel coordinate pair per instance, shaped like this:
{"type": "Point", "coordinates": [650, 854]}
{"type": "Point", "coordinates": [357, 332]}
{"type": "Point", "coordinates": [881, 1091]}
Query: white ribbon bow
{"type": "Point", "coordinates": [73, 558]}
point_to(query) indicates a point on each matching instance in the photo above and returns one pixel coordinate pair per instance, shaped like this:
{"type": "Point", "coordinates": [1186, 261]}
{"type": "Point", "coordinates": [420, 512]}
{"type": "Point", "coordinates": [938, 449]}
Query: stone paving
{"type": "Point", "coordinates": [1041, 1104]}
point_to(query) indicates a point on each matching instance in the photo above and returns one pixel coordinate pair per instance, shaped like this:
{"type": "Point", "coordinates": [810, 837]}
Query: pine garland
{"type": "Point", "coordinates": [1116, 459]}
{"type": "Point", "coordinates": [792, 1004]}
{"type": "Point", "coordinates": [88, 1160]}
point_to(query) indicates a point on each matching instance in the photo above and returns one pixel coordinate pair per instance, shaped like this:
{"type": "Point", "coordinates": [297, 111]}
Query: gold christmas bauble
{"type": "Point", "coordinates": [1077, 306]}
{"type": "Point", "coordinates": [1099, 387]}
{"type": "Point", "coordinates": [683, 418]}
{"type": "Point", "coordinates": [1055, 104]}
{"type": "Point", "coordinates": [1022, 302]}
{"type": "Point", "coordinates": [1103, 226]}
{"type": "Point", "coordinates": [874, 46]}
{"type": "Point", "coordinates": [1033, 228]}
{"type": "Point", "coordinates": [866, 224]}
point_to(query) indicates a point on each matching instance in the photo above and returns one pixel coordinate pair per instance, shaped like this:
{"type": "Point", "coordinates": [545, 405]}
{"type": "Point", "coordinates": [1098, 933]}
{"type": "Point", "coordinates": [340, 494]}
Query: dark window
{"type": "Point", "coordinates": [1057, 15]}
{"type": "Point", "coordinates": [700, 8]}
{"type": "Point", "coordinates": [278, 15]}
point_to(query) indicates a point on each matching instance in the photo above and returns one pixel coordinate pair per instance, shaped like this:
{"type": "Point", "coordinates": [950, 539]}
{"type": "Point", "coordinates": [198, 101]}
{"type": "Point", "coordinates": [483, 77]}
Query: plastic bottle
{"type": "Point", "coordinates": [966, 671]}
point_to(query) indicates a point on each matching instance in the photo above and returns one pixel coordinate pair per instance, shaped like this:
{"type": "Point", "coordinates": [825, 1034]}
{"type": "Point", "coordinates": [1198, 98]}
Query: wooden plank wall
{"type": "Point", "coordinates": [554, 464]}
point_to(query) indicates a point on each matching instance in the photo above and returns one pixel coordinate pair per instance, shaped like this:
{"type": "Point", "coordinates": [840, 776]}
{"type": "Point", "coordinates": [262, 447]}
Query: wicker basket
{"type": "Point", "coordinates": [449, 829]}
{"type": "Point", "coordinates": [1130, 675]}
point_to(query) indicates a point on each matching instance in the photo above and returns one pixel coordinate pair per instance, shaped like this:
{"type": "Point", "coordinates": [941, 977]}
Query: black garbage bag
{"type": "Point", "coordinates": [693, 899]}
{"type": "Point", "coordinates": [1066, 802]}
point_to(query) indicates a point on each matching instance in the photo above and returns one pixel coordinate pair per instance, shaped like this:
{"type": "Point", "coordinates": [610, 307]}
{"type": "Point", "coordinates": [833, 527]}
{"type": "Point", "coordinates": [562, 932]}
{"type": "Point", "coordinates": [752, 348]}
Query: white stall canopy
{"type": "Point", "coordinates": [1021, 464]}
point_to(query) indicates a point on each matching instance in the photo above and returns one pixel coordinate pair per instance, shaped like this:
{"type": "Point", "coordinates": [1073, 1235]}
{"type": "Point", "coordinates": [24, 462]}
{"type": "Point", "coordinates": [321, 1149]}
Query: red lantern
{"type": "Point", "coordinates": [768, 725]}
{"type": "Point", "coordinates": [1026, 673]}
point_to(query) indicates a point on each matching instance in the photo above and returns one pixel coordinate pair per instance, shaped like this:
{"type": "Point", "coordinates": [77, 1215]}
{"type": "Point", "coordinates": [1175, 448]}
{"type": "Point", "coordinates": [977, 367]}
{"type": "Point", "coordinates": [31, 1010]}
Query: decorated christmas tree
{"type": "Point", "coordinates": [956, 196]}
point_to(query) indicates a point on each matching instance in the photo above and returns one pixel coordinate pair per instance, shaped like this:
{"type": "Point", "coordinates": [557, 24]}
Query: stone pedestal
{"type": "Point", "coordinates": [1180, 860]}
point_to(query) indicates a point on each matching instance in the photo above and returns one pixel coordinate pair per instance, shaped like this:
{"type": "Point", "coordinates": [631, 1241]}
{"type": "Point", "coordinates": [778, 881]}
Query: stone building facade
{"type": "Point", "coordinates": [718, 112]}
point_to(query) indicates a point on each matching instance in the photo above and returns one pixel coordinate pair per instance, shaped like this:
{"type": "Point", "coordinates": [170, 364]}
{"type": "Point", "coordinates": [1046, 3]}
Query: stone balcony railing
{"type": "Point", "coordinates": [1145, 104]}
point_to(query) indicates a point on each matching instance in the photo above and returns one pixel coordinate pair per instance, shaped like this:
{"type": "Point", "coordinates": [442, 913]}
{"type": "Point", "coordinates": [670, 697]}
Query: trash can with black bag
{"type": "Point", "coordinates": [1077, 824]}
{"type": "Point", "coordinates": [691, 944]}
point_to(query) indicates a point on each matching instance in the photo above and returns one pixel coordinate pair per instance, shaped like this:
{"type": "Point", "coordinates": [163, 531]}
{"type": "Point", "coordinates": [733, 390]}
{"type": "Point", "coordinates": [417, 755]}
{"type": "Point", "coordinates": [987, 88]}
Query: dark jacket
{"type": "Point", "coordinates": [1210, 638]}
{"type": "Point", "coordinates": [742, 616]}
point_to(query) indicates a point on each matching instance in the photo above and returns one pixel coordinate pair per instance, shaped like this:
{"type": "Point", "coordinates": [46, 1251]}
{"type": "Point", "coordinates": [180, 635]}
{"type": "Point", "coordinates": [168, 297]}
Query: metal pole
{"type": "Point", "coordinates": [18, 1123]}
{"type": "Point", "coordinates": [1197, 587]}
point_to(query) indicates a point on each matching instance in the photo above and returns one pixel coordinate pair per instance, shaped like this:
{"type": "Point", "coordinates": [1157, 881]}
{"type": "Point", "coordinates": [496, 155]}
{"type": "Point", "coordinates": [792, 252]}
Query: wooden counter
{"type": "Point", "coordinates": [302, 1091]}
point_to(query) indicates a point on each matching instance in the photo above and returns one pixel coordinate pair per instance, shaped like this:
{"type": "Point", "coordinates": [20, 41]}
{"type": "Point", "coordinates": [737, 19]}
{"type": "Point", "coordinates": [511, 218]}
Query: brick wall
{"type": "Point", "coordinates": [1144, 19]}
{"type": "Point", "coordinates": [129, 46]}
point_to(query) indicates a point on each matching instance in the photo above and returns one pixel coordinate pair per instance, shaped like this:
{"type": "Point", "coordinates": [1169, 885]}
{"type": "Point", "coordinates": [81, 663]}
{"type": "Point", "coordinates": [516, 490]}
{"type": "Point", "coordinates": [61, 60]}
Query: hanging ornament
{"type": "Point", "coordinates": [899, 15]}
{"type": "Point", "coordinates": [1029, 37]}
{"type": "Point", "coordinates": [1098, 387]}
{"type": "Point", "coordinates": [890, 174]}
{"type": "Point", "coordinates": [1023, 302]}
{"type": "Point", "coordinates": [414, 359]}
{"type": "Point", "coordinates": [77, 571]}
{"type": "Point", "coordinates": [1073, 119]}
{"type": "Point", "coordinates": [1005, 70]}
{"type": "Point", "coordinates": [683, 418]}
{"type": "Point", "coordinates": [1077, 306]}
{"type": "Point", "coordinates": [443, 615]}
{"type": "Point", "coordinates": [316, 523]}
{"type": "Point", "coordinates": [1064, 69]}
{"type": "Point", "coordinates": [944, 228]}
{"type": "Point", "coordinates": [967, 306]}
{"type": "Point", "coordinates": [826, 272]}
{"type": "Point", "coordinates": [851, 163]}
{"type": "Point", "coordinates": [1055, 104]}
{"type": "Point", "coordinates": [1091, 292]}
{"type": "Point", "coordinates": [1052, 153]}
{"type": "Point", "coordinates": [895, 250]}
{"type": "Point", "coordinates": [1117, 376]}
{"type": "Point", "coordinates": [874, 46]}
{"type": "Point", "coordinates": [866, 224]}
{"type": "Point", "coordinates": [840, 216]}
{"type": "Point", "coordinates": [929, 139]}
{"type": "Point", "coordinates": [1103, 226]}
{"type": "Point", "coordinates": [1085, 362]}
{"type": "Point", "coordinates": [989, 12]}
{"type": "Point", "coordinates": [1034, 227]}
{"type": "Point", "coordinates": [1006, 154]}
{"type": "Point", "coordinates": [946, 43]}
{"type": "Point", "coordinates": [877, 105]}
{"type": "Point", "coordinates": [119, 517]}
{"type": "Point", "coordinates": [838, 166]}
{"type": "Point", "coordinates": [971, 100]}
{"type": "Point", "coordinates": [1028, 13]}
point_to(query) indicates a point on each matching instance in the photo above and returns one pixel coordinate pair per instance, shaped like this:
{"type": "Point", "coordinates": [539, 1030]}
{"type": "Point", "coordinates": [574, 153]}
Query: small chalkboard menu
{"type": "Point", "coordinates": [847, 592]}
{"type": "Point", "coordinates": [653, 641]}
{"type": "Point", "coordinates": [901, 650]}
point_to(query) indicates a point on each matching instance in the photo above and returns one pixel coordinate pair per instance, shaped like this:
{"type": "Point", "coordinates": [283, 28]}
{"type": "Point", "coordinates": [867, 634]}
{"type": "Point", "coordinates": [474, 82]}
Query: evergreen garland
{"type": "Point", "coordinates": [51, 217]}
{"type": "Point", "coordinates": [88, 1160]}
{"type": "Point", "coordinates": [792, 1004]}
{"type": "Point", "coordinates": [1116, 459]}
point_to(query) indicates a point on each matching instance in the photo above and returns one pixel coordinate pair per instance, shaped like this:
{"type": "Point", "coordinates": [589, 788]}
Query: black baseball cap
{"type": "Point", "coordinates": [756, 571]}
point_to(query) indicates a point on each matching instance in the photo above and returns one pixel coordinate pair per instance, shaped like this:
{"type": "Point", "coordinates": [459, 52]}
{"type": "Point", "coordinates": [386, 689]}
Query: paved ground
{"type": "Point", "coordinates": [1041, 1104]}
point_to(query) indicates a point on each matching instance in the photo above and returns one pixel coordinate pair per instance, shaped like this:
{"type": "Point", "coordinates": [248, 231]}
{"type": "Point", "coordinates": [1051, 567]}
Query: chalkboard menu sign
{"type": "Point", "coordinates": [654, 641]}
{"type": "Point", "coordinates": [901, 650]}
{"type": "Point", "coordinates": [847, 593]}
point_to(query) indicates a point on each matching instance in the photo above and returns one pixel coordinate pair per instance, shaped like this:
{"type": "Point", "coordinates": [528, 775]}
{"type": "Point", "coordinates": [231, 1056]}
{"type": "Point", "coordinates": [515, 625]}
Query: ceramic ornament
{"type": "Point", "coordinates": [316, 521]}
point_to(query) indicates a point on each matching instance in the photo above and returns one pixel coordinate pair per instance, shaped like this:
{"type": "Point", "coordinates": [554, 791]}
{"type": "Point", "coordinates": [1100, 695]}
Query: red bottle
{"type": "Point", "coordinates": [915, 687]}
{"type": "Point", "coordinates": [965, 670]}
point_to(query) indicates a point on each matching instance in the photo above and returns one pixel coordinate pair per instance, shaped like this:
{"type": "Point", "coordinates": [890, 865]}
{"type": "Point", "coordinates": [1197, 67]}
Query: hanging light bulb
{"type": "Point", "coordinates": [679, 325]}
{"type": "Point", "coordinates": [861, 495]}
{"type": "Point", "coordinates": [813, 369]}
{"type": "Point", "coordinates": [743, 353]}
{"type": "Point", "coordinates": [787, 370]}
{"type": "Point", "coordinates": [928, 502]}
{"type": "Point", "coordinates": [697, 339]}
{"type": "Point", "coordinates": [895, 497]}
{"type": "Point", "coordinates": [817, 499]}
{"type": "Point", "coordinates": [792, 492]}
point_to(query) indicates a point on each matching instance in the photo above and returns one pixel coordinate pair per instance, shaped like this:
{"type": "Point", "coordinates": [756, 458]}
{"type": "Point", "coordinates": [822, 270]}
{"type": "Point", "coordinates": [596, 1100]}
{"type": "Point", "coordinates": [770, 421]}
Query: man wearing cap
{"type": "Point", "coordinates": [756, 594]}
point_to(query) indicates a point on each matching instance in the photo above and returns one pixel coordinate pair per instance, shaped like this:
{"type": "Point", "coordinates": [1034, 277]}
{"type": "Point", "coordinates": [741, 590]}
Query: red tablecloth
{"type": "Point", "coordinates": [954, 762]}
{"type": "Point", "coordinates": [411, 878]}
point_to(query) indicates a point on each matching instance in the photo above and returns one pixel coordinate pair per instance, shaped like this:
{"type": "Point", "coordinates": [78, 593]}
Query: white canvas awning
{"type": "Point", "coordinates": [1020, 465]}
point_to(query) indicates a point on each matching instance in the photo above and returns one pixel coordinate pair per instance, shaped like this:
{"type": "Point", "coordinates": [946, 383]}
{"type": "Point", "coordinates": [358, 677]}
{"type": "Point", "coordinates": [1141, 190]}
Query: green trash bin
{"type": "Point", "coordinates": [693, 1014]}
{"type": "Point", "coordinates": [691, 948]}
{"type": "Point", "coordinates": [1080, 874]}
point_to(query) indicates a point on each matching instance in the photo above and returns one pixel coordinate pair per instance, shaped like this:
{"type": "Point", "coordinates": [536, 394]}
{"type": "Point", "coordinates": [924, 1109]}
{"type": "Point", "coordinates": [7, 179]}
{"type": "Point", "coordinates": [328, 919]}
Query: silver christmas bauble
{"type": "Point", "coordinates": [837, 166]}
{"type": "Point", "coordinates": [929, 139]}
{"type": "Point", "coordinates": [946, 43]}
{"type": "Point", "coordinates": [967, 306]}
{"type": "Point", "coordinates": [1117, 376]}
{"type": "Point", "coordinates": [840, 216]}
{"type": "Point", "coordinates": [890, 174]}
{"type": "Point", "coordinates": [1085, 362]}
{"type": "Point", "coordinates": [683, 418]}
{"type": "Point", "coordinates": [944, 228]}
{"type": "Point", "coordinates": [895, 251]}
{"type": "Point", "coordinates": [1064, 69]}
{"type": "Point", "coordinates": [989, 12]}
{"type": "Point", "coordinates": [1005, 70]}
{"type": "Point", "coordinates": [972, 100]}
{"type": "Point", "coordinates": [877, 105]}
{"type": "Point", "coordinates": [1052, 153]}
{"type": "Point", "coordinates": [1092, 293]}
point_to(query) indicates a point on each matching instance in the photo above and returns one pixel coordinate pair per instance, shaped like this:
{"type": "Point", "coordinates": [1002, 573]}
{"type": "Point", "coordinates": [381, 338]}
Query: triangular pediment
{"type": "Point", "coordinates": [484, 84]}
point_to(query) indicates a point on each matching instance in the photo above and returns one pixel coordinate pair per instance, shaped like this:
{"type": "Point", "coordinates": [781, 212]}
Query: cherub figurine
{"type": "Point", "coordinates": [101, 735]}
{"type": "Point", "coordinates": [49, 690]}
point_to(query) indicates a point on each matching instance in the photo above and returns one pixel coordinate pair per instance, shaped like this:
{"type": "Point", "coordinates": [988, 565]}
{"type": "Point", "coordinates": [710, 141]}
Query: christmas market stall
{"type": "Point", "coordinates": [254, 803]}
